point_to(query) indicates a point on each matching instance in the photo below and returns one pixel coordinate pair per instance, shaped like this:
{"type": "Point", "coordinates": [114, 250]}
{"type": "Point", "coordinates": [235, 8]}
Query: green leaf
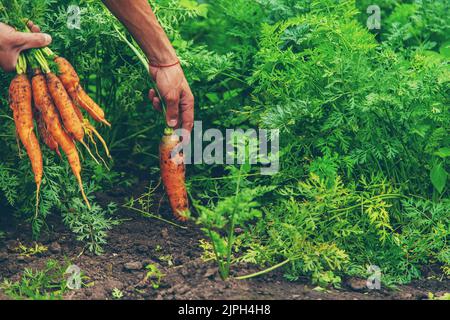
{"type": "Point", "coordinates": [445, 50]}
{"type": "Point", "coordinates": [201, 9]}
{"type": "Point", "coordinates": [213, 97]}
{"type": "Point", "coordinates": [443, 152]}
{"type": "Point", "coordinates": [438, 177]}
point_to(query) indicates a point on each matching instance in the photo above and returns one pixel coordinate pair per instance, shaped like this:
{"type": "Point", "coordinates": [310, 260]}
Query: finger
{"type": "Point", "coordinates": [27, 41]}
{"type": "Point", "coordinates": [151, 94]}
{"type": "Point", "coordinates": [173, 102]}
{"type": "Point", "coordinates": [157, 104]}
{"type": "Point", "coordinates": [33, 27]}
{"type": "Point", "coordinates": [9, 63]}
{"type": "Point", "coordinates": [187, 113]}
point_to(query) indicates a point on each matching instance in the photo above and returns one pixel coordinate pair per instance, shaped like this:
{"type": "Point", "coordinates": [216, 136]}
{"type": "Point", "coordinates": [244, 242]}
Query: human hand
{"type": "Point", "coordinates": [177, 94]}
{"type": "Point", "coordinates": [12, 43]}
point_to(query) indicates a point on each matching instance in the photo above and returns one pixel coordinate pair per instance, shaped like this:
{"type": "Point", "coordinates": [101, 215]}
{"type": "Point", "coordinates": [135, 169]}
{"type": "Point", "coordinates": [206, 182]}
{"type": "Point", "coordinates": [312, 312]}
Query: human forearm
{"type": "Point", "coordinates": [139, 19]}
{"type": "Point", "coordinates": [167, 73]}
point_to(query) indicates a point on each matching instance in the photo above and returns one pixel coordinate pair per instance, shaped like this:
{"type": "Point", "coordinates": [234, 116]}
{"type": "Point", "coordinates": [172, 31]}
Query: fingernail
{"type": "Point", "coordinates": [186, 139]}
{"type": "Point", "coordinates": [172, 123]}
{"type": "Point", "coordinates": [48, 38]}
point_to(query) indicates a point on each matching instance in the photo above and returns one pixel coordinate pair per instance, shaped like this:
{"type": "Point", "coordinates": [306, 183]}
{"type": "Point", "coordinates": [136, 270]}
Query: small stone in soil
{"type": "Point", "coordinates": [357, 284]}
{"type": "Point", "coordinates": [183, 272]}
{"type": "Point", "coordinates": [21, 259]}
{"type": "Point", "coordinates": [406, 296]}
{"type": "Point", "coordinates": [142, 248]}
{"type": "Point", "coordinates": [12, 245]}
{"type": "Point", "coordinates": [133, 266]}
{"type": "Point", "coordinates": [210, 272]}
{"type": "Point", "coordinates": [181, 290]}
{"type": "Point", "coordinates": [55, 247]}
{"type": "Point", "coordinates": [113, 284]}
{"type": "Point", "coordinates": [3, 257]}
{"type": "Point", "coordinates": [165, 233]}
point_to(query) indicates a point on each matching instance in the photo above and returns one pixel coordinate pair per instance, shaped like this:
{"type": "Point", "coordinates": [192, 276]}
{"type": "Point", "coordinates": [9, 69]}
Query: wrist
{"type": "Point", "coordinates": [173, 64]}
{"type": "Point", "coordinates": [163, 56]}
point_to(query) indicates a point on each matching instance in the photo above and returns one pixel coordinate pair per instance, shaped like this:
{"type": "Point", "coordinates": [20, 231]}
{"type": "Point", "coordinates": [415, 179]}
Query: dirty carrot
{"type": "Point", "coordinates": [173, 174]}
{"type": "Point", "coordinates": [45, 105]}
{"type": "Point", "coordinates": [86, 102]}
{"type": "Point", "coordinates": [44, 134]}
{"type": "Point", "coordinates": [65, 106]}
{"type": "Point", "coordinates": [71, 81]}
{"type": "Point", "coordinates": [20, 98]}
{"type": "Point", "coordinates": [173, 169]}
{"type": "Point", "coordinates": [61, 99]}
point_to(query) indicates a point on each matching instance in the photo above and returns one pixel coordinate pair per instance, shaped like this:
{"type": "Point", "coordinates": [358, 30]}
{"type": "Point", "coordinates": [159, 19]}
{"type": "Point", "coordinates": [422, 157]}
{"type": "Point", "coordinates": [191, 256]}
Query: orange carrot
{"type": "Point", "coordinates": [45, 105]}
{"type": "Point", "coordinates": [65, 107]}
{"type": "Point", "coordinates": [173, 175]}
{"type": "Point", "coordinates": [44, 134]}
{"type": "Point", "coordinates": [20, 102]}
{"type": "Point", "coordinates": [71, 82]}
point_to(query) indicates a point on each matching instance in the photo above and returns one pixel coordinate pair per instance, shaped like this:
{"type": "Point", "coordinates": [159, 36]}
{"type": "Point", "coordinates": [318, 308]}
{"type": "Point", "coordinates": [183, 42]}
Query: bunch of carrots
{"type": "Point", "coordinates": [53, 100]}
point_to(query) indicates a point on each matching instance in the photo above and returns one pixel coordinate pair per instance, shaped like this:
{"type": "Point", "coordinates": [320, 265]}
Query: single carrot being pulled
{"type": "Point", "coordinates": [173, 170]}
{"type": "Point", "coordinates": [173, 174]}
{"type": "Point", "coordinates": [20, 98]}
{"type": "Point", "coordinates": [45, 105]}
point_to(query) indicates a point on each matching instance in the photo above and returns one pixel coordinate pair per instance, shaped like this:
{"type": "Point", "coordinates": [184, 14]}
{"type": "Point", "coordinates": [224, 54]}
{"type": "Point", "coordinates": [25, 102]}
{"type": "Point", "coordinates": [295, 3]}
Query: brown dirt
{"type": "Point", "coordinates": [140, 241]}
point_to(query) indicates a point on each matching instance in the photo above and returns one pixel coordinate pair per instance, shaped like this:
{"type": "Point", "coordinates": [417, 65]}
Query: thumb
{"type": "Point", "coordinates": [27, 41]}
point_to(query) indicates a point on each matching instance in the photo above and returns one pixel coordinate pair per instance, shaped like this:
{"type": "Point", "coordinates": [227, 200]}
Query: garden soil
{"type": "Point", "coordinates": [139, 241]}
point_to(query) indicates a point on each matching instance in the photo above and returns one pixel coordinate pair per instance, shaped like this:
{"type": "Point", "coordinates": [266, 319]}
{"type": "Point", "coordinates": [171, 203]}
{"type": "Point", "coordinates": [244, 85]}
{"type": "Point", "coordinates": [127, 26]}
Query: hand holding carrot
{"type": "Point", "coordinates": [12, 43]}
{"type": "Point", "coordinates": [175, 90]}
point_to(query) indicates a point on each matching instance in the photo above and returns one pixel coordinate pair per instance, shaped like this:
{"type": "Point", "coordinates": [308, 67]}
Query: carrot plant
{"type": "Point", "coordinates": [364, 125]}
{"type": "Point", "coordinates": [220, 220]}
{"type": "Point", "coordinates": [48, 283]}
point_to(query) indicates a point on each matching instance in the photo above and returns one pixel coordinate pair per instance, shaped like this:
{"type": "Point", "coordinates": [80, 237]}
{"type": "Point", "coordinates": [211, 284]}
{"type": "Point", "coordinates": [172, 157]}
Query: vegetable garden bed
{"type": "Point", "coordinates": [363, 120]}
{"type": "Point", "coordinates": [139, 242]}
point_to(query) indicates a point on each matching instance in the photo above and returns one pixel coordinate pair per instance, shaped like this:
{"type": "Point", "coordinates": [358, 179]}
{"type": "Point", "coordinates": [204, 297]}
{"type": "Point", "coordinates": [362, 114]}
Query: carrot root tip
{"type": "Point", "coordinates": [80, 183]}
{"type": "Point", "coordinates": [90, 152]}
